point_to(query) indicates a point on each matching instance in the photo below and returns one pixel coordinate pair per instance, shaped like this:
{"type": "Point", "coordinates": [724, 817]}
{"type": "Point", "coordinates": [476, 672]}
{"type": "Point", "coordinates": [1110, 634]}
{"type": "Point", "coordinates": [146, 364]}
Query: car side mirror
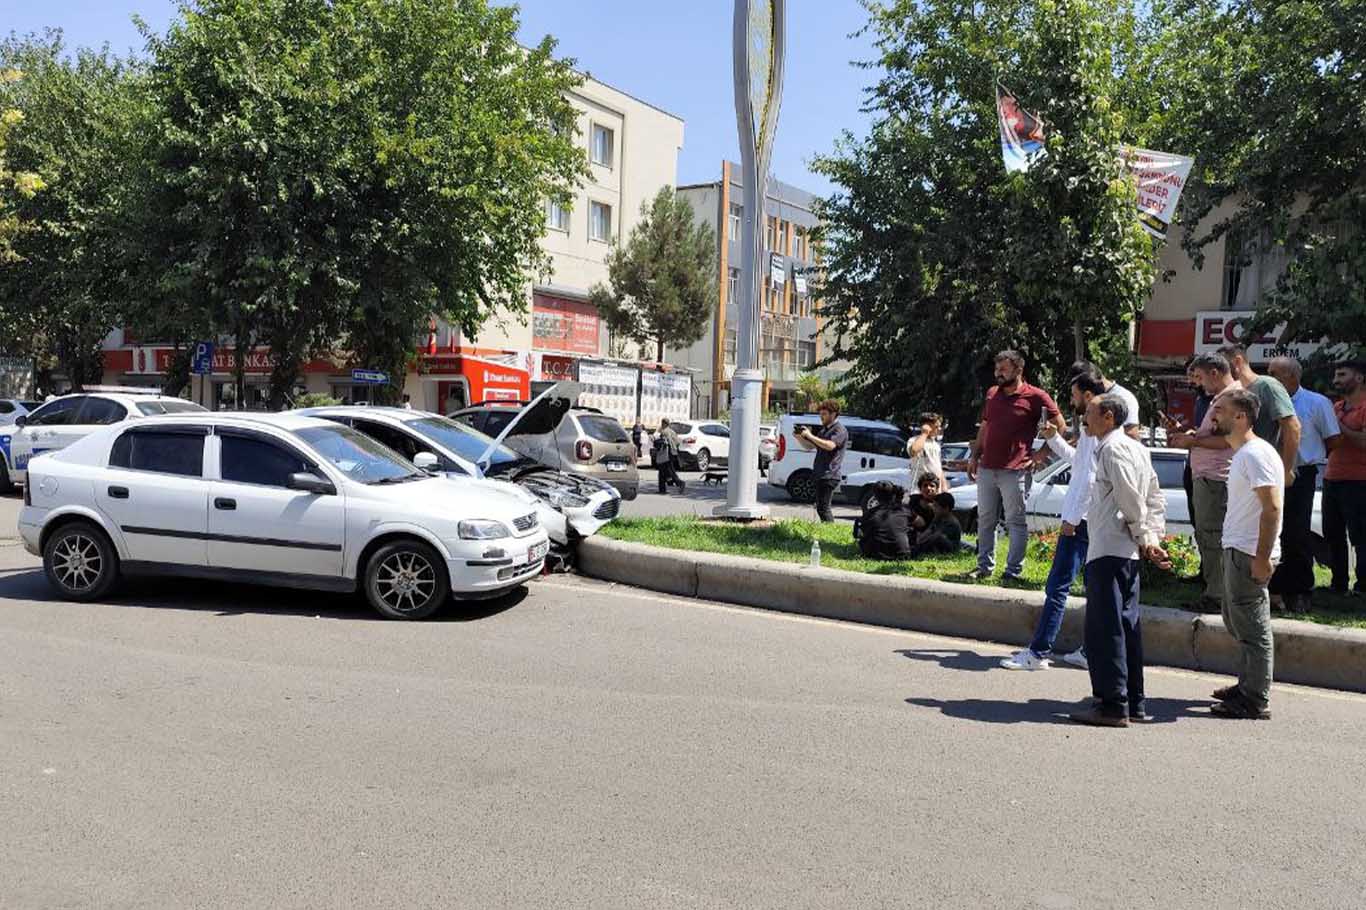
{"type": "Point", "coordinates": [426, 461]}
{"type": "Point", "coordinates": [20, 421]}
{"type": "Point", "coordinates": [312, 483]}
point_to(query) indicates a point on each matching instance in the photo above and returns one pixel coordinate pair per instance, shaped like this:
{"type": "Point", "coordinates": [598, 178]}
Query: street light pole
{"type": "Point", "coordinates": [758, 44]}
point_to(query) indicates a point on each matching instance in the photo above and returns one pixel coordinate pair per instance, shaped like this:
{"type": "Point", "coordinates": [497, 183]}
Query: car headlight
{"type": "Point", "coordinates": [481, 529]}
{"type": "Point", "coordinates": [564, 499]}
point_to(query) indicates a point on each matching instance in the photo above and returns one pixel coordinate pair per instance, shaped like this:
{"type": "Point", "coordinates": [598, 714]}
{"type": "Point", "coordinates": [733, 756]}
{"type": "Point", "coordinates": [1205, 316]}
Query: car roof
{"type": "Point", "coordinates": [367, 410]}
{"type": "Point", "coordinates": [288, 421]}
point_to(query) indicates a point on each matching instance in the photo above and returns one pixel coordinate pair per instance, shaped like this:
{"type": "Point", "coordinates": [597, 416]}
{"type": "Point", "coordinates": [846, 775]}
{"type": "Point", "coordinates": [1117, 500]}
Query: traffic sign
{"type": "Point", "coordinates": [370, 377]}
{"type": "Point", "coordinates": [202, 362]}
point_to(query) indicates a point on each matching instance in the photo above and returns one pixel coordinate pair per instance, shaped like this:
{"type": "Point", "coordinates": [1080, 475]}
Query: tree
{"type": "Point", "coordinates": [330, 174]}
{"type": "Point", "coordinates": [79, 134]}
{"type": "Point", "coordinates": [663, 280]}
{"type": "Point", "coordinates": [14, 185]}
{"type": "Point", "coordinates": [1282, 135]}
{"type": "Point", "coordinates": [936, 256]}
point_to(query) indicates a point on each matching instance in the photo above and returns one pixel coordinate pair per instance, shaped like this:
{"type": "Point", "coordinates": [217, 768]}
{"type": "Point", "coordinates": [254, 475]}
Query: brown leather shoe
{"type": "Point", "coordinates": [1227, 693]}
{"type": "Point", "coordinates": [1094, 717]}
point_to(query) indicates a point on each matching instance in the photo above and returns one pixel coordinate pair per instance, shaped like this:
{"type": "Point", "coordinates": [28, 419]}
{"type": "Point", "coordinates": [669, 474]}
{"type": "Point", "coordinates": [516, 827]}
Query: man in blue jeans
{"type": "Point", "coordinates": [1002, 459]}
{"type": "Point", "coordinates": [1070, 556]}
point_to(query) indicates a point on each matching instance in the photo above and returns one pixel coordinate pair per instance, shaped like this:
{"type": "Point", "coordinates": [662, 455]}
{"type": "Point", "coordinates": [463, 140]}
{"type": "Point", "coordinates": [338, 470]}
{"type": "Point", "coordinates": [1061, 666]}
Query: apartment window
{"type": "Point", "coordinates": [770, 232]}
{"type": "Point", "coordinates": [556, 217]}
{"type": "Point", "coordinates": [602, 145]}
{"type": "Point", "coordinates": [733, 286]}
{"type": "Point", "coordinates": [730, 346]}
{"type": "Point", "coordinates": [737, 214]}
{"type": "Point", "coordinates": [1252, 266]}
{"type": "Point", "coordinates": [806, 354]}
{"type": "Point", "coordinates": [600, 222]}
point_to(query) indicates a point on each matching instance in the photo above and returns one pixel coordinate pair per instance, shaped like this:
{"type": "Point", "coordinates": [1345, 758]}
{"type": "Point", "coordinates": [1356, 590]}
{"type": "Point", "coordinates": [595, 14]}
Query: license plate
{"type": "Point", "coordinates": [537, 553]}
{"type": "Point", "coordinates": [616, 466]}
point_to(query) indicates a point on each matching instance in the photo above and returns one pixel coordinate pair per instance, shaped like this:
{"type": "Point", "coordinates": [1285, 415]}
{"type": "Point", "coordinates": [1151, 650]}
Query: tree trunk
{"type": "Point", "coordinates": [659, 350]}
{"type": "Point", "coordinates": [1079, 339]}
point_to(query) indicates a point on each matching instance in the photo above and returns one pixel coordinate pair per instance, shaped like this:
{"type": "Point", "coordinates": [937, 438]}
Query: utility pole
{"type": "Point", "coordinates": [758, 45]}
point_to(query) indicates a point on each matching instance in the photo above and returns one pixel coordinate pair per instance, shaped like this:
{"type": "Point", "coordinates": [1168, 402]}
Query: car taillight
{"type": "Point", "coordinates": [689, 441]}
{"type": "Point", "coordinates": [782, 448]}
{"type": "Point", "coordinates": [584, 450]}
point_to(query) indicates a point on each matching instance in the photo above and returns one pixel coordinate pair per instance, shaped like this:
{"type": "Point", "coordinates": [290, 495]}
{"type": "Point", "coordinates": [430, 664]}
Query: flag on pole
{"type": "Point", "coordinates": [1160, 177]}
{"type": "Point", "coordinates": [1022, 135]}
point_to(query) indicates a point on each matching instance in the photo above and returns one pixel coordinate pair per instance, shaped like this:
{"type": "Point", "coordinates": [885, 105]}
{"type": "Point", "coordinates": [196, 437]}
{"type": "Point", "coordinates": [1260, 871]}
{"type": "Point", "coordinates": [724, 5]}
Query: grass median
{"type": "Point", "coordinates": [789, 540]}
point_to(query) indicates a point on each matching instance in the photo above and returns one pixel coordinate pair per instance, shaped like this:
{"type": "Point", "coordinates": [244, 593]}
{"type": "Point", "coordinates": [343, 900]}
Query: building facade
{"type": "Point", "coordinates": [791, 326]}
{"type": "Point", "coordinates": [632, 151]}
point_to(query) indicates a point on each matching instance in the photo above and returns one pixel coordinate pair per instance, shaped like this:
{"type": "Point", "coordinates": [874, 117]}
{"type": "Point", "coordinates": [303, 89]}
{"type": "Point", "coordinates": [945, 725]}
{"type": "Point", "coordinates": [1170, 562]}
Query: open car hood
{"type": "Point", "coordinates": [538, 418]}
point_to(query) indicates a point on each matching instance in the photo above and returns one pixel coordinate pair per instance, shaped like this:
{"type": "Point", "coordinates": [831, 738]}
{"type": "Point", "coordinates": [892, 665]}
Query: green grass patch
{"type": "Point", "coordinates": [789, 540]}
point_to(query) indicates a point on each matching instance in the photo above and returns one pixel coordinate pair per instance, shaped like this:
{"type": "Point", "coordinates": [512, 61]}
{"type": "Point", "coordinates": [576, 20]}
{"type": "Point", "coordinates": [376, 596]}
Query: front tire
{"type": "Point", "coordinates": [5, 486]}
{"type": "Point", "coordinates": [406, 580]}
{"type": "Point", "coordinates": [801, 486]}
{"type": "Point", "coordinates": [703, 459]}
{"type": "Point", "coordinates": [80, 562]}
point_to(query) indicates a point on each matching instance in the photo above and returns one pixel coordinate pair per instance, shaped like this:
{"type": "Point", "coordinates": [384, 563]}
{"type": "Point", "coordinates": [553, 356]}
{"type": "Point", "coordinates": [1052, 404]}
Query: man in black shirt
{"type": "Point", "coordinates": [829, 441]}
{"type": "Point", "coordinates": [944, 536]}
{"type": "Point", "coordinates": [885, 530]}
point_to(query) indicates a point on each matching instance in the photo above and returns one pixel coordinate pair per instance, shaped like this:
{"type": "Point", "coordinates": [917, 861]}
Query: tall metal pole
{"type": "Point", "coordinates": [758, 44]}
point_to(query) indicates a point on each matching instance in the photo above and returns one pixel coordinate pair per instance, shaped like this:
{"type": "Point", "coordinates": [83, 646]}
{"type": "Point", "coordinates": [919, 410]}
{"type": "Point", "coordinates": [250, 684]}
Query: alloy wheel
{"type": "Point", "coordinates": [405, 581]}
{"type": "Point", "coordinates": [77, 562]}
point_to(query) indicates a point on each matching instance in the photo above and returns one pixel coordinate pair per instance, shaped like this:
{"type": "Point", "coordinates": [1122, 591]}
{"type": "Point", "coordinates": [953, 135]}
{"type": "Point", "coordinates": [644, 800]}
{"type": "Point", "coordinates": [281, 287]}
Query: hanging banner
{"type": "Point", "coordinates": [777, 269]}
{"type": "Point", "coordinates": [801, 285]}
{"type": "Point", "coordinates": [1161, 177]}
{"type": "Point", "coordinates": [1022, 136]}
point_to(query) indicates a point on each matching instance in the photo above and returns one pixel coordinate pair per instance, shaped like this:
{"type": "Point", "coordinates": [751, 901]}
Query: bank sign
{"type": "Point", "coordinates": [1216, 328]}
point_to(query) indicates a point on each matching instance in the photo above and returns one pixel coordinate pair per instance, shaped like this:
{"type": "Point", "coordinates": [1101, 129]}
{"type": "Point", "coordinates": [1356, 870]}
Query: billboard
{"type": "Point", "coordinates": [559, 324]}
{"type": "Point", "coordinates": [1215, 328]}
{"type": "Point", "coordinates": [664, 395]}
{"type": "Point", "coordinates": [611, 388]}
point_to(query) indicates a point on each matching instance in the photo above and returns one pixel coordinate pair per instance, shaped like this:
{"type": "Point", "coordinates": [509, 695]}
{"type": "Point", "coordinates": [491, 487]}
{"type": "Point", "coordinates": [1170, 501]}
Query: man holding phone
{"type": "Point", "coordinates": [829, 441]}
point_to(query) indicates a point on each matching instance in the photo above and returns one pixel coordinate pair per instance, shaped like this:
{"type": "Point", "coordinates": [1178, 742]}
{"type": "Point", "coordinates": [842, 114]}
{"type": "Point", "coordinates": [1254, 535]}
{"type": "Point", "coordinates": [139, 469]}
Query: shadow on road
{"type": "Point", "coordinates": [227, 600]}
{"type": "Point", "coordinates": [954, 659]}
{"type": "Point", "coordinates": [1052, 711]}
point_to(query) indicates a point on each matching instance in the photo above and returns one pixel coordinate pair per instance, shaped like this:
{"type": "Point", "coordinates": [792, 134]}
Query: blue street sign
{"type": "Point", "coordinates": [370, 377]}
{"type": "Point", "coordinates": [202, 362]}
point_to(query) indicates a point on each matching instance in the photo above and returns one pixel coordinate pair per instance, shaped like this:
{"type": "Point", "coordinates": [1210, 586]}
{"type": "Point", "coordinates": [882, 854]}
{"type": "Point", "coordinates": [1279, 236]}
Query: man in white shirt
{"type": "Point", "coordinates": [1133, 424]}
{"type": "Point", "coordinates": [923, 450]}
{"type": "Point", "coordinates": [1252, 546]}
{"type": "Point", "coordinates": [1293, 582]}
{"type": "Point", "coordinates": [1069, 557]}
{"type": "Point", "coordinates": [1124, 521]}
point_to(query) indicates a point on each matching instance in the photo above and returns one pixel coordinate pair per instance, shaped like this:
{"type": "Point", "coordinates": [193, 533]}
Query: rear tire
{"type": "Point", "coordinates": [80, 562]}
{"type": "Point", "coordinates": [801, 486]}
{"type": "Point", "coordinates": [703, 460]}
{"type": "Point", "coordinates": [406, 580]}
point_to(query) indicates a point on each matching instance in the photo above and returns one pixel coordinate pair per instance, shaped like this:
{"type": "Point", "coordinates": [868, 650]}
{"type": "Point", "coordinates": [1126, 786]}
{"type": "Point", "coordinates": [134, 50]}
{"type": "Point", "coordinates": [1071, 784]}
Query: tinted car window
{"type": "Point", "coordinates": [101, 412]}
{"type": "Point", "coordinates": [56, 413]}
{"type": "Point", "coordinates": [860, 439]}
{"type": "Point", "coordinates": [890, 443]}
{"type": "Point", "coordinates": [715, 429]}
{"type": "Point", "coordinates": [164, 453]}
{"type": "Point", "coordinates": [495, 421]}
{"type": "Point", "coordinates": [6, 407]}
{"type": "Point", "coordinates": [256, 461]}
{"type": "Point", "coordinates": [603, 429]}
{"type": "Point", "coordinates": [682, 429]}
{"type": "Point", "coordinates": [31, 405]}
{"type": "Point", "coordinates": [1170, 472]}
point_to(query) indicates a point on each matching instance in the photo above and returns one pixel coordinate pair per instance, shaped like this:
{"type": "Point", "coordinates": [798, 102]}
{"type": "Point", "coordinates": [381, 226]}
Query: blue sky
{"type": "Point", "coordinates": [675, 56]}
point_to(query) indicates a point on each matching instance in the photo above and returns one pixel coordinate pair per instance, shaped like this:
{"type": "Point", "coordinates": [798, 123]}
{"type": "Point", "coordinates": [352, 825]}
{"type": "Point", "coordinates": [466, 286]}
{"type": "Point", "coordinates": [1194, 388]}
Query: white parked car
{"type": "Point", "coordinates": [61, 421]}
{"type": "Point", "coordinates": [768, 445]}
{"type": "Point", "coordinates": [274, 499]}
{"type": "Point", "coordinates": [873, 445]}
{"type": "Point", "coordinates": [12, 409]}
{"type": "Point", "coordinates": [701, 443]}
{"type": "Point", "coordinates": [1048, 489]}
{"type": "Point", "coordinates": [570, 506]}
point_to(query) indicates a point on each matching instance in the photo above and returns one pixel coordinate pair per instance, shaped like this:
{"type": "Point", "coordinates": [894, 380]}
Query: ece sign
{"type": "Point", "coordinates": [1219, 327]}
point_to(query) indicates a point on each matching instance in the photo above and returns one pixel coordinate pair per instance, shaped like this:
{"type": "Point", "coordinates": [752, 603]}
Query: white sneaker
{"type": "Point", "coordinates": [1026, 660]}
{"type": "Point", "coordinates": [1077, 658]}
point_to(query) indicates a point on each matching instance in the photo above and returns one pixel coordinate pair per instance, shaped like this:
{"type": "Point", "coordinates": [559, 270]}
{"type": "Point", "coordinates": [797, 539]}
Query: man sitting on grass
{"type": "Point", "coordinates": [884, 531]}
{"type": "Point", "coordinates": [944, 536]}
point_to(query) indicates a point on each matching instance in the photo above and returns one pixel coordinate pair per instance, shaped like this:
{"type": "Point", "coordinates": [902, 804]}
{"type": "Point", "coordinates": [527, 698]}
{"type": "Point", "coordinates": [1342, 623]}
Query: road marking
{"type": "Point", "coordinates": [619, 590]}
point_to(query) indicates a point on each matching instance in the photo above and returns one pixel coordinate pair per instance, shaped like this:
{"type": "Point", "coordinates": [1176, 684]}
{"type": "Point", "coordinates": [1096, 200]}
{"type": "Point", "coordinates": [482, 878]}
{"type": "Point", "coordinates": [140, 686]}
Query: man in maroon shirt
{"type": "Point", "coordinates": [1002, 457]}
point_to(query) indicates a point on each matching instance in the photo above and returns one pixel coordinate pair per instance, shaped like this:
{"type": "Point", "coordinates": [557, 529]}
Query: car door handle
{"type": "Point", "coordinates": [224, 504]}
{"type": "Point", "coordinates": [118, 492]}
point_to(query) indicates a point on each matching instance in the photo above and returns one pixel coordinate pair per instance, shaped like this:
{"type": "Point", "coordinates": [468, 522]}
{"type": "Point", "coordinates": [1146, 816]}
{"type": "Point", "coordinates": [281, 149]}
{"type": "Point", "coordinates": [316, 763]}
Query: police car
{"type": "Point", "coordinates": [61, 421]}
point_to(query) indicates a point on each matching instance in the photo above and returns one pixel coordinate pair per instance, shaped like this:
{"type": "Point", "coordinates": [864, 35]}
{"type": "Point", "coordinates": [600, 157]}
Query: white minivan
{"type": "Point", "coordinates": [873, 445]}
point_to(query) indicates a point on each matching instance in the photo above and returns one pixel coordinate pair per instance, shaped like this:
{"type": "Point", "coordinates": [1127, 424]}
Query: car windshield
{"type": "Point", "coordinates": [602, 428]}
{"type": "Point", "coordinates": [359, 457]}
{"type": "Point", "coordinates": [467, 442]}
{"type": "Point", "coordinates": [163, 406]}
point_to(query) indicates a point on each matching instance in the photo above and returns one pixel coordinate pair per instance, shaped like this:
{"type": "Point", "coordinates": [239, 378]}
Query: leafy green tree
{"type": "Point", "coordinates": [1282, 139]}
{"type": "Point", "coordinates": [14, 185]}
{"type": "Point", "coordinates": [663, 280]}
{"type": "Point", "coordinates": [79, 134]}
{"type": "Point", "coordinates": [936, 256]}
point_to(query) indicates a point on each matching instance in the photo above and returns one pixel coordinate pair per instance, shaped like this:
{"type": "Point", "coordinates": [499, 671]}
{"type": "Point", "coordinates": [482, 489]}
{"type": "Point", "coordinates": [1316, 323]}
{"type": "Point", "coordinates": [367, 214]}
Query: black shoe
{"type": "Point", "coordinates": [1299, 604]}
{"type": "Point", "coordinates": [1140, 716]}
{"type": "Point", "coordinates": [1240, 708]}
{"type": "Point", "coordinates": [1012, 577]}
{"type": "Point", "coordinates": [979, 574]}
{"type": "Point", "coordinates": [1228, 693]}
{"type": "Point", "coordinates": [1095, 717]}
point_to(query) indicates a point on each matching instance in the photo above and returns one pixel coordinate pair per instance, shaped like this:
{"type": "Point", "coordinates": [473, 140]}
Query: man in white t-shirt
{"type": "Point", "coordinates": [923, 451]}
{"type": "Point", "coordinates": [1133, 424]}
{"type": "Point", "coordinates": [1252, 547]}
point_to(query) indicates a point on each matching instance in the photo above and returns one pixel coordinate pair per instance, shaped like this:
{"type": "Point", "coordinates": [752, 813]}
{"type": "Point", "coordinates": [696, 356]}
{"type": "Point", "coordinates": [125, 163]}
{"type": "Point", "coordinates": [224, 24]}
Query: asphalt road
{"type": "Point", "coordinates": [594, 746]}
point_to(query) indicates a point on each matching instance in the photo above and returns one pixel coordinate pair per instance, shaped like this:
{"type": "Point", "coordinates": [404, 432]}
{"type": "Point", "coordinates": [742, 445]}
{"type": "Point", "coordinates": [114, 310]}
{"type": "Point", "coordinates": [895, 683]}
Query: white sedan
{"type": "Point", "coordinates": [571, 506]}
{"type": "Point", "coordinates": [273, 499]}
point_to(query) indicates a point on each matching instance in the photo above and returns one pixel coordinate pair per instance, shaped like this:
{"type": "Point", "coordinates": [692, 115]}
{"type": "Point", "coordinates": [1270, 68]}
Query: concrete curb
{"type": "Point", "coordinates": [1305, 653]}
